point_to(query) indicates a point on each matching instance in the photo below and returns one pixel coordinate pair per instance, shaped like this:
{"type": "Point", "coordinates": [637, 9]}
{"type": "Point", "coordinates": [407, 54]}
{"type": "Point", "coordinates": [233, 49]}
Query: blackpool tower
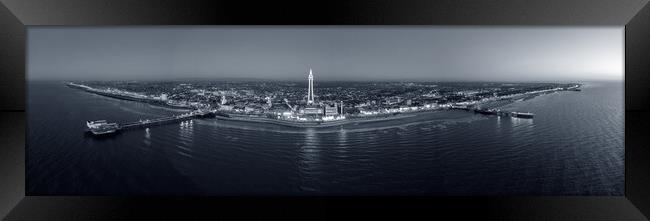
{"type": "Point", "coordinates": [310, 92]}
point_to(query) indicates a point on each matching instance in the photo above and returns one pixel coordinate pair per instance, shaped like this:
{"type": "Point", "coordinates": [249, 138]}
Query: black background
{"type": "Point", "coordinates": [15, 14]}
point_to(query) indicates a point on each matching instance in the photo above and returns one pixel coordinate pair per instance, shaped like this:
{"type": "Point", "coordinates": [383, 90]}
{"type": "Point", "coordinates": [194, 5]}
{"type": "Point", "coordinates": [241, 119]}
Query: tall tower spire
{"type": "Point", "coordinates": [310, 92]}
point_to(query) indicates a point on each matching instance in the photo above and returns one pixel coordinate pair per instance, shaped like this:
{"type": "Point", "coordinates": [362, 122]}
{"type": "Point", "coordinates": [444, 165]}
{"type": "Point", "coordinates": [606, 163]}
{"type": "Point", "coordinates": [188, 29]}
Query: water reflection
{"type": "Point", "coordinates": [521, 128]}
{"type": "Point", "coordinates": [186, 131]}
{"type": "Point", "coordinates": [343, 137]}
{"type": "Point", "coordinates": [186, 137]}
{"type": "Point", "coordinates": [521, 122]}
{"type": "Point", "coordinates": [342, 150]}
{"type": "Point", "coordinates": [309, 161]}
{"type": "Point", "coordinates": [309, 151]}
{"type": "Point", "coordinates": [147, 137]}
{"type": "Point", "coordinates": [499, 124]}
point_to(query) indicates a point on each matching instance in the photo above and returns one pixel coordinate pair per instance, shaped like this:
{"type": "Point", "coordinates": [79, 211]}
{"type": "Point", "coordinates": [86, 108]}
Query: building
{"type": "Point", "coordinates": [310, 89]}
{"type": "Point", "coordinates": [313, 111]}
{"type": "Point", "coordinates": [226, 107]}
{"type": "Point", "coordinates": [311, 108]}
{"type": "Point", "coordinates": [393, 100]}
{"type": "Point", "coordinates": [331, 110]}
{"type": "Point", "coordinates": [162, 97]}
{"type": "Point", "coordinates": [269, 101]}
{"type": "Point", "coordinates": [223, 99]}
{"type": "Point", "coordinates": [249, 109]}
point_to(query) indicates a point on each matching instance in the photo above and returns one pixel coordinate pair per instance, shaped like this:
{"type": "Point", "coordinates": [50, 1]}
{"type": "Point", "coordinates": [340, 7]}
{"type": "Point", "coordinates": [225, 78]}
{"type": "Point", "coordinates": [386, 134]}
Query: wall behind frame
{"type": "Point", "coordinates": [12, 62]}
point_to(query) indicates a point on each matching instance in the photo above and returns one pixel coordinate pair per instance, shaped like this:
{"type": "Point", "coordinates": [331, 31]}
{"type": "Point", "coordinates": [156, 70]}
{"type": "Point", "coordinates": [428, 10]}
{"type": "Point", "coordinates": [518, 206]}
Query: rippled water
{"type": "Point", "coordinates": [573, 146]}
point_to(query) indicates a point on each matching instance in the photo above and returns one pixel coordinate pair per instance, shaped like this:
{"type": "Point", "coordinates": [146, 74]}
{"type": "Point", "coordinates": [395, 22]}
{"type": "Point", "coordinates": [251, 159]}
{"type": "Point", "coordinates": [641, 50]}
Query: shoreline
{"type": "Point", "coordinates": [158, 103]}
{"type": "Point", "coordinates": [504, 101]}
{"type": "Point", "coordinates": [384, 117]}
{"type": "Point", "coordinates": [322, 124]}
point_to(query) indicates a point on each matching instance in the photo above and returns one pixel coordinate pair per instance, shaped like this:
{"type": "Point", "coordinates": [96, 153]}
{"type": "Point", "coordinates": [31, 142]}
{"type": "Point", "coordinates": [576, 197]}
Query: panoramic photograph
{"type": "Point", "coordinates": [329, 110]}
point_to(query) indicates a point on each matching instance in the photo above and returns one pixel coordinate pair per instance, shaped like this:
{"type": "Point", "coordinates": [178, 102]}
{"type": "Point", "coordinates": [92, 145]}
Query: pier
{"type": "Point", "coordinates": [496, 112]}
{"type": "Point", "coordinates": [103, 128]}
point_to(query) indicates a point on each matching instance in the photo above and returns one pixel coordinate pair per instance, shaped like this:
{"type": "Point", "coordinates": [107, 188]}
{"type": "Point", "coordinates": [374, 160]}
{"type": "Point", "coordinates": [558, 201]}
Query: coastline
{"type": "Point", "coordinates": [127, 98]}
{"type": "Point", "coordinates": [382, 117]}
{"type": "Point", "coordinates": [322, 124]}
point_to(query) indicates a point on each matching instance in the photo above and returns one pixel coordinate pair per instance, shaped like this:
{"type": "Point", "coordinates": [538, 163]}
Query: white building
{"type": "Point", "coordinates": [313, 110]}
{"type": "Point", "coordinates": [223, 99]}
{"type": "Point", "coordinates": [331, 110]}
{"type": "Point", "coordinates": [269, 102]}
{"type": "Point", "coordinates": [310, 89]}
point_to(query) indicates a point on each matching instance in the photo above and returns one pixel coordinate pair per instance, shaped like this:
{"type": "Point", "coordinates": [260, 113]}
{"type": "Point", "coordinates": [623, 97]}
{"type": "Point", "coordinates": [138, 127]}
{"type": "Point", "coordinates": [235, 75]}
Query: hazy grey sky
{"type": "Point", "coordinates": [333, 52]}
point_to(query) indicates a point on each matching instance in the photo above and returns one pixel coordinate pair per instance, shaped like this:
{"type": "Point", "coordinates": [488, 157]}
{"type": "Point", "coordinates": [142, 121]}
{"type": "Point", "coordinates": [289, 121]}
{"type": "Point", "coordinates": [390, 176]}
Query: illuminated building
{"type": "Point", "coordinates": [310, 92]}
{"type": "Point", "coordinates": [331, 110]}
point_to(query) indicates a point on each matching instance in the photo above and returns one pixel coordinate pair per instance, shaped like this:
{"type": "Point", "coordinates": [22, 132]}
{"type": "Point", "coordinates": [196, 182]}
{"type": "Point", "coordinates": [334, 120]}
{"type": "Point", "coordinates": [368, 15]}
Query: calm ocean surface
{"type": "Point", "coordinates": [573, 146]}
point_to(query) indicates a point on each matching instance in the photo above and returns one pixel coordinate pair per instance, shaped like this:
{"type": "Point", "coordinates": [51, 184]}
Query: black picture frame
{"type": "Point", "coordinates": [15, 15]}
